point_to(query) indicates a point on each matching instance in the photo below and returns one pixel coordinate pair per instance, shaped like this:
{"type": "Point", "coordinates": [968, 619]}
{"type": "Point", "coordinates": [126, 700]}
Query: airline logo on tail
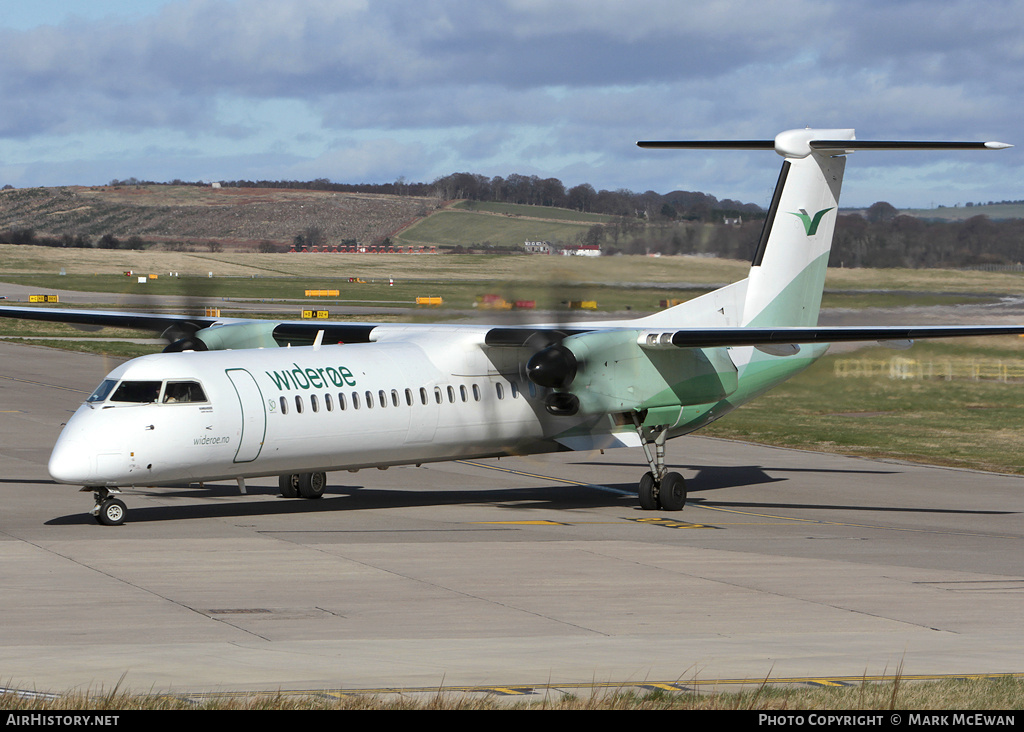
{"type": "Point", "coordinates": [810, 224]}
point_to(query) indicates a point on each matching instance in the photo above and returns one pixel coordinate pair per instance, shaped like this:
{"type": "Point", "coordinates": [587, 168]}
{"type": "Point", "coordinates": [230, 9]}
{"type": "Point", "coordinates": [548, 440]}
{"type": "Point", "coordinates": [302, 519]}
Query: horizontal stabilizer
{"type": "Point", "coordinates": [820, 145]}
{"type": "Point", "coordinates": [801, 143]}
{"type": "Point", "coordinates": [852, 145]}
{"type": "Point", "coordinates": [707, 144]}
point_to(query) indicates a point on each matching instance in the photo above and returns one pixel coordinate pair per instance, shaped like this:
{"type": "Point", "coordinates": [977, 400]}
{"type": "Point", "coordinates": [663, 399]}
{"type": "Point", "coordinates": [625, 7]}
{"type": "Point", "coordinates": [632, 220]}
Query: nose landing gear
{"type": "Point", "coordinates": [108, 510]}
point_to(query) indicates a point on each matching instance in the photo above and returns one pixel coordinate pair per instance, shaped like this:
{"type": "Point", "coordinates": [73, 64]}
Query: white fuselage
{"type": "Point", "coordinates": [290, 410]}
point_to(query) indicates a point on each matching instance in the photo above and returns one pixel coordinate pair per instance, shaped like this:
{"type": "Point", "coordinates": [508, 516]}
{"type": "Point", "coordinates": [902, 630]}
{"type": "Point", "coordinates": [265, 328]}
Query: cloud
{"type": "Point", "coordinates": [556, 87]}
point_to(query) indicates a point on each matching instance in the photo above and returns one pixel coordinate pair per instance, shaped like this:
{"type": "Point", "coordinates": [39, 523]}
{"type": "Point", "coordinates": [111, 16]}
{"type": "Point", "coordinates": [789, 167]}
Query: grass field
{"type": "Point", "coordinates": [960, 423]}
{"type": "Point", "coordinates": [457, 227]}
{"type": "Point", "coordinates": [995, 211]}
{"type": "Point", "coordinates": [27, 260]}
{"type": "Point", "coordinates": [16, 260]}
{"type": "Point", "coordinates": [532, 212]}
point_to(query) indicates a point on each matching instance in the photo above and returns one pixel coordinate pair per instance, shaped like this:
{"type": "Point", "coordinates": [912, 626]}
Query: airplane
{"type": "Point", "coordinates": [233, 398]}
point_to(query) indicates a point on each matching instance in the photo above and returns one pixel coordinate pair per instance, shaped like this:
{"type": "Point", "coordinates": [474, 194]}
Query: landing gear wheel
{"type": "Point", "coordinates": [648, 492]}
{"type": "Point", "coordinates": [289, 485]}
{"type": "Point", "coordinates": [312, 485]}
{"type": "Point", "coordinates": [672, 494]}
{"type": "Point", "coordinates": [112, 512]}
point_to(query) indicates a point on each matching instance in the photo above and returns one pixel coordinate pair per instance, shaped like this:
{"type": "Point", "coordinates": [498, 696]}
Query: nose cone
{"type": "Point", "coordinates": [71, 461]}
{"type": "Point", "coordinates": [89, 451]}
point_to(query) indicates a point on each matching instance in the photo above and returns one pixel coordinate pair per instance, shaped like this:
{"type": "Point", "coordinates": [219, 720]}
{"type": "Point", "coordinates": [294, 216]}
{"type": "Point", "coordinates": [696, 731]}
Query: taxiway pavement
{"type": "Point", "coordinates": [501, 572]}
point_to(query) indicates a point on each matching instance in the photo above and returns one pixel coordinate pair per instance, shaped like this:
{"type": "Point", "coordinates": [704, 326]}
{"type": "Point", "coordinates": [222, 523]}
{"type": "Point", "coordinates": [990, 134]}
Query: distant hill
{"type": "Point", "coordinates": [995, 211]}
{"type": "Point", "coordinates": [236, 217]}
{"type": "Point", "coordinates": [192, 217]}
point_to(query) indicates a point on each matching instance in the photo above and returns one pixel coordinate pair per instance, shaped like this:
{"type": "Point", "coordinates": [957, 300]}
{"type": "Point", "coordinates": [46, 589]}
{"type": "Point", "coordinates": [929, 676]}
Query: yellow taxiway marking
{"type": "Point", "coordinates": [512, 691]}
{"type": "Point", "coordinates": [670, 523]}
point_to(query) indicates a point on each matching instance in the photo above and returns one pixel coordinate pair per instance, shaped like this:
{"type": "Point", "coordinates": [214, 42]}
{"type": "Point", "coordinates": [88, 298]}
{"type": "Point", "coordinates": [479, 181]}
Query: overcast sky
{"type": "Point", "coordinates": [371, 91]}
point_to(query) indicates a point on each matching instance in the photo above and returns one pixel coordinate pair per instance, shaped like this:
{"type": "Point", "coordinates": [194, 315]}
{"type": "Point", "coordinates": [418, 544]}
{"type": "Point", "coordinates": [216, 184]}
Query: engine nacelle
{"type": "Point", "coordinates": [608, 371]}
{"type": "Point", "coordinates": [554, 367]}
{"type": "Point", "coordinates": [238, 335]}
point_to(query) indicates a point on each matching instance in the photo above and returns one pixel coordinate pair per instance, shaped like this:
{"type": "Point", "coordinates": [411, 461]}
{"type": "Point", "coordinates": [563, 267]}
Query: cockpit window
{"type": "Point", "coordinates": [102, 391]}
{"type": "Point", "coordinates": [178, 392]}
{"type": "Point", "coordinates": [138, 392]}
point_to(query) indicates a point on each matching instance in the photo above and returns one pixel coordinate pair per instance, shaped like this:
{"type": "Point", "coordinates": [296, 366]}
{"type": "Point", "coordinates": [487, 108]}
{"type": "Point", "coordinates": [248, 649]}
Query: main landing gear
{"type": "Point", "coordinates": [108, 510]}
{"type": "Point", "coordinates": [658, 489]}
{"type": "Point", "coordinates": [306, 485]}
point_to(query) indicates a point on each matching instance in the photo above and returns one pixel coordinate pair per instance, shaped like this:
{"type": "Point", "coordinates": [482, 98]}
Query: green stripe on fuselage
{"type": "Point", "coordinates": [798, 303]}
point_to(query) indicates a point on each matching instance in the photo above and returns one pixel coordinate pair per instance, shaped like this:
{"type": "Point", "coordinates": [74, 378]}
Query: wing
{"type": "Point", "coordinates": [718, 337]}
{"type": "Point", "coordinates": [222, 333]}
{"type": "Point", "coordinates": [618, 370]}
{"type": "Point", "coordinates": [201, 333]}
{"type": "Point", "coordinates": [144, 321]}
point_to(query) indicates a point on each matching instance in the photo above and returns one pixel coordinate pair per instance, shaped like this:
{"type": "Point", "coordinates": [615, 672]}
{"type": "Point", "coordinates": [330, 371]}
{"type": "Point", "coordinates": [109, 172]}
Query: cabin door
{"type": "Point", "coordinates": [254, 415]}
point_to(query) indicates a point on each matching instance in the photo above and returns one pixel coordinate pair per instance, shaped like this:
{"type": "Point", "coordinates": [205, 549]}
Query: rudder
{"type": "Point", "coordinates": [787, 275]}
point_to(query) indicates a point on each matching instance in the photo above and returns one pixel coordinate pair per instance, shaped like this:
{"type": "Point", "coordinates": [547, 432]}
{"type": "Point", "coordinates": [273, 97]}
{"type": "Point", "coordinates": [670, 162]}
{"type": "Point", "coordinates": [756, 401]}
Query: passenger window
{"type": "Point", "coordinates": [341, 401]}
{"type": "Point", "coordinates": [451, 395]}
{"type": "Point", "coordinates": [329, 402]}
{"type": "Point", "coordinates": [383, 398]}
{"type": "Point", "coordinates": [515, 391]}
{"type": "Point", "coordinates": [408, 397]}
{"type": "Point", "coordinates": [423, 396]}
{"type": "Point", "coordinates": [394, 397]}
{"type": "Point", "coordinates": [437, 395]}
{"type": "Point", "coordinates": [463, 393]}
{"type": "Point", "coordinates": [314, 402]}
{"type": "Point", "coordinates": [138, 392]}
{"type": "Point", "coordinates": [355, 400]}
{"type": "Point", "coordinates": [476, 393]}
{"type": "Point", "coordinates": [284, 406]}
{"type": "Point", "coordinates": [102, 391]}
{"type": "Point", "coordinates": [500, 390]}
{"type": "Point", "coordinates": [369, 399]}
{"type": "Point", "coordinates": [179, 392]}
{"type": "Point", "coordinates": [298, 404]}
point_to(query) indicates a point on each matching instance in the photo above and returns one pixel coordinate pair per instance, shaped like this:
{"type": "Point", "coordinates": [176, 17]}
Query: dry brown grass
{"type": "Point", "coordinates": [631, 269]}
{"type": "Point", "coordinates": [47, 260]}
{"type": "Point", "coordinates": [895, 693]}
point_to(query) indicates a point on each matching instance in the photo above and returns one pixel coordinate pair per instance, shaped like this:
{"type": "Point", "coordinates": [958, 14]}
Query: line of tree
{"type": "Point", "coordinates": [535, 191]}
{"type": "Point", "coordinates": [907, 241]}
{"type": "Point", "coordinates": [887, 241]}
{"type": "Point", "coordinates": [29, 237]}
{"type": "Point", "coordinates": [881, 238]}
